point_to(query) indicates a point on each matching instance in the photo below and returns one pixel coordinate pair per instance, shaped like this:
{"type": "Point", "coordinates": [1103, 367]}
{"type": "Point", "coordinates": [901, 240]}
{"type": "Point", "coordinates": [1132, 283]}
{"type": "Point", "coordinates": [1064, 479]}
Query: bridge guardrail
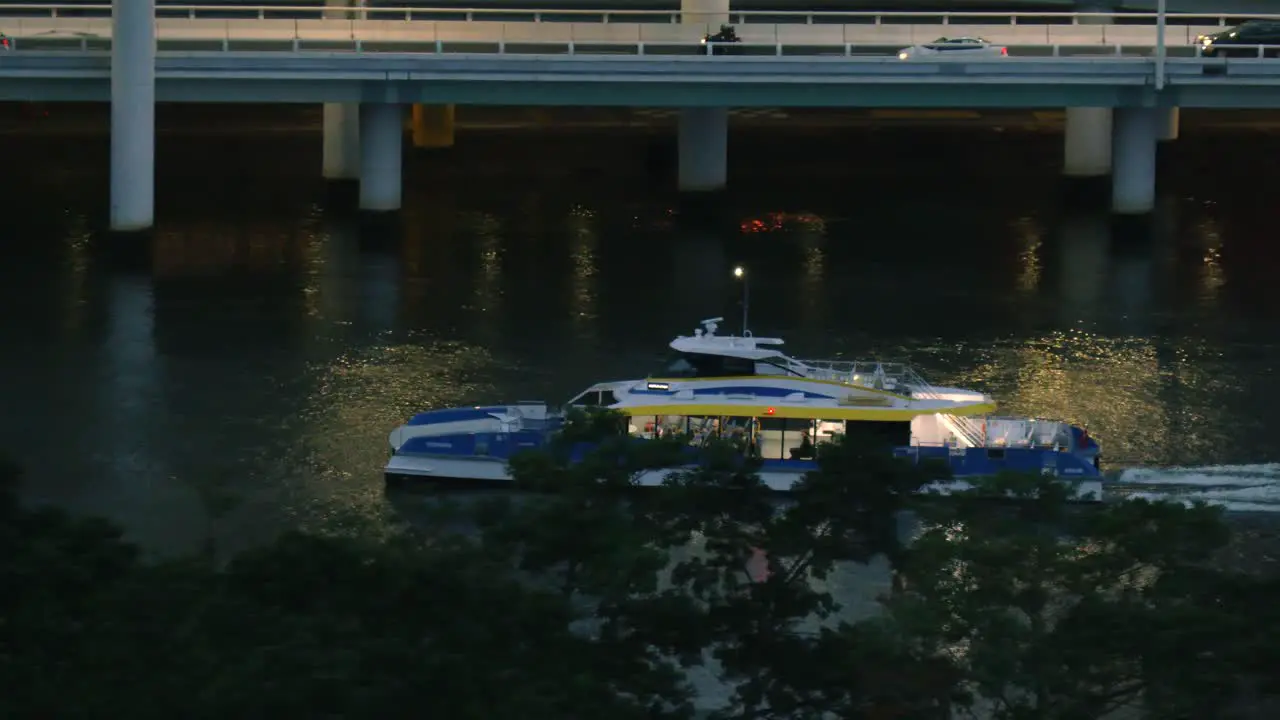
{"type": "Point", "coordinates": [738, 17]}
{"type": "Point", "coordinates": [26, 31]}
{"type": "Point", "coordinates": [1087, 70]}
{"type": "Point", "coordinates": [605, 48]}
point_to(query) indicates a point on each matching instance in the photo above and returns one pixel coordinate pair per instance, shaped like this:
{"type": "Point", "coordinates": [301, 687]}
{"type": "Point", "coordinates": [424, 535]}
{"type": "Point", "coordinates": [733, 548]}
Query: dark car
{"type": "Point", "coordinates": [1246, 38]}
{"type": "Point", "coordinates": [721, 41]}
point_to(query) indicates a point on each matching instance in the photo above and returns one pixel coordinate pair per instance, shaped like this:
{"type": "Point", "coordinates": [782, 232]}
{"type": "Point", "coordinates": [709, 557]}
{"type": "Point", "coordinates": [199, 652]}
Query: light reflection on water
{"type": "Point", "coordinates": [253, 374]}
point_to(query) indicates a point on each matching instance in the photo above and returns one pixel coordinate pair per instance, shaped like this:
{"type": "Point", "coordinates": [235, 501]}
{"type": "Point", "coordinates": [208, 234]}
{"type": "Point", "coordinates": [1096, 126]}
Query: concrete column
{"type": "Point", "coordinates": [712, 13]}
{"type": "Point", "coordinates": [1087, 145]}
{"type": "Point", "coordinates": [704, 149]}
{"type": "Point", "coordinates": [432, 126]}
{"type": "Point", "coordinates": [704, 132]}
{"type": "Point", "coordinates": [1133, 189]}
{"type": "Point", "coordinates": [381, 135]}
{"type": "Point", "coordinates": [133, 114]}
{"type": "Point", "coordinates": [341, 141]}
{"type": "Point", "coordinates": [1097, 6]}
{"type": "Point", "coordinates": [341, 123]}
{"type": "Point", "coordinates": [1167, 124]}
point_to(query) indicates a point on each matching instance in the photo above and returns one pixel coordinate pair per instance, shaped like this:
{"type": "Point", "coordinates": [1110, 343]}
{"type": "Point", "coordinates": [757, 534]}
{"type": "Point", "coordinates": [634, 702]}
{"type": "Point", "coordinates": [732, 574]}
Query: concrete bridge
{"type": "Point", "coordinates": [1121, 88]}
{"type": "Point", "coordinates": [419, 33]}
{"type": "Point", "coordinates": [1244, 7]}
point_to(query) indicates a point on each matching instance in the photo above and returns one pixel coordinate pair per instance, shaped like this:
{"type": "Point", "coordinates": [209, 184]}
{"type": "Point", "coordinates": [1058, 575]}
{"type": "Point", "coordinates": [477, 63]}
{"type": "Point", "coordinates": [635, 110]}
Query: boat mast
{"type": "Point", "coordinates": [740, 273]}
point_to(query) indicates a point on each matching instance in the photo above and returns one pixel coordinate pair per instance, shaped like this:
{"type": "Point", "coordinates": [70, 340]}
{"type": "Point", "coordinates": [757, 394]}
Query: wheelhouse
{"type": "Point", "coordinates": [687, 365]}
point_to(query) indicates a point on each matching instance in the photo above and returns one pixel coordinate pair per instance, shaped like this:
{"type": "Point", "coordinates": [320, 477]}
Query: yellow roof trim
{"type": "Point", "coordinates": [837, 383]}
{"type": "Point", "coordinates": [803, 413]}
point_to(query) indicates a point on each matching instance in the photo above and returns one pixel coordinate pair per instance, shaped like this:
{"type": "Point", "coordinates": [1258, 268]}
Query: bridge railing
{"type": "Point", "coordinates": [28, 31]}
{"type": "Point", "coordinates": [430, 44]}
{"type": "Point", "coordinates": [586, 15]}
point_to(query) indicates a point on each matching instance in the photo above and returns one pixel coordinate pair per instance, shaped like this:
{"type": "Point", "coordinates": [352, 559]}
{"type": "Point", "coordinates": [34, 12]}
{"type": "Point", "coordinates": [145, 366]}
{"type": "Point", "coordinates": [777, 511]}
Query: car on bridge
{"type": "Point", "coordinates": [1249, 38]}
{"type": "Point", "coordinates": [961, 48]}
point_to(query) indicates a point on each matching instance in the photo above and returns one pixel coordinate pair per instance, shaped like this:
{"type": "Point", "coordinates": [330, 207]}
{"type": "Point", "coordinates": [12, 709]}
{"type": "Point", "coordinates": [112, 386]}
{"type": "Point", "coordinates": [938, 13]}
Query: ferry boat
{"type": "Point", "coordinates": [744, 386]}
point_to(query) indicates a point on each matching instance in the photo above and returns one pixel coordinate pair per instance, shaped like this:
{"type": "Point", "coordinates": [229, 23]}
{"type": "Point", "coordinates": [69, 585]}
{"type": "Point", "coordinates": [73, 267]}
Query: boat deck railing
{"type": "Point", "coordinates": [869, 373]}
{"type": "Point", "coordinates": [893, 376]}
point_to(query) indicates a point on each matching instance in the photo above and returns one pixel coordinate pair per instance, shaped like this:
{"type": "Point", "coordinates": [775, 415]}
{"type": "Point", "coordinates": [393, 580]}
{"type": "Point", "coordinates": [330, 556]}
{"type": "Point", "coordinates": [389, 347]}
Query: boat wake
{"type": "Point", "coordinates": [1240, 488]}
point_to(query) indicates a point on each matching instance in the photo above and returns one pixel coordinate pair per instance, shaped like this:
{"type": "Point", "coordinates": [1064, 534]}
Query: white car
{"type": "Point", "coordinates": [961, 48]}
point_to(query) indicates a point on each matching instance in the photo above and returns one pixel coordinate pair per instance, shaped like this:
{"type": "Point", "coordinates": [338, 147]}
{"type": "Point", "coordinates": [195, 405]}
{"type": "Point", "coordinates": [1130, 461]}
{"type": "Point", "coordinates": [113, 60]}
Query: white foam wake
{"type": "Point", "coordinates": [1241, 488]}
{"type": "Point", "coordinates": [1204, 475]}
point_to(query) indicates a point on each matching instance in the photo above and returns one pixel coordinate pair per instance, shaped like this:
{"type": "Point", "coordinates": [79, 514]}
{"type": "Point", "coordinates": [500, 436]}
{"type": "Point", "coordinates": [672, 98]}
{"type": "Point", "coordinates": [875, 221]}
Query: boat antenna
{"type": "Point", "coordinates": [740, 273]}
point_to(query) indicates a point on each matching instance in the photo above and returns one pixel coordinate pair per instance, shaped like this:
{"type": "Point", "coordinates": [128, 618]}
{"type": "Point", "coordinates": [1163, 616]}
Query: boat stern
{"type": "Point", "coordinates": [467, 443]}
{"type": "Point", "coordinates": [1085, 446]}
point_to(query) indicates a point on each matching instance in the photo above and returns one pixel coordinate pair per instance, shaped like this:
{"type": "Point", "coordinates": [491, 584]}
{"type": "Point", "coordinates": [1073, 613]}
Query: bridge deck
{"type": "Point", "coordinates": [659, 81]}
{"type": "Point", "coordinates": [32, 32]}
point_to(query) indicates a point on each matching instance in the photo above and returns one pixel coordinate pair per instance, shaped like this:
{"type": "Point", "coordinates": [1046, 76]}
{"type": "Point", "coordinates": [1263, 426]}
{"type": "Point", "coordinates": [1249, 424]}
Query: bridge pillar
{"type": "Point", "coordinates": [341, 141]}
{"type": "Point", "coordinates": [704, 149]}
{"type": "Point", "coordinates": [712, 13]}
{"type": "Point", "coordinates": [133, 114]}
{"type": "Point", "coordinates": [341, 122]}
{"type": "Point", "coordinates": [1087, 145]}
{"type": "Point", "coordinates": [381, 136]}
{"type": "Point", "coordinates": [1133, 188]}
{"type": "Point", "coordinates": [432, 126]}
{"type": "Point", "coordinates": [1167, 124]}
{"type": "Point", "coordinates": [704, 132]}
{"type": "Point", "coordinates": [1097, 6]}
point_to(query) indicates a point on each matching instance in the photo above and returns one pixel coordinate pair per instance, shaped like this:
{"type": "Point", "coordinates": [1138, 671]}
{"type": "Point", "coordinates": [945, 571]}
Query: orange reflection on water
{"type": "Point", "coordinates": [781, 221]}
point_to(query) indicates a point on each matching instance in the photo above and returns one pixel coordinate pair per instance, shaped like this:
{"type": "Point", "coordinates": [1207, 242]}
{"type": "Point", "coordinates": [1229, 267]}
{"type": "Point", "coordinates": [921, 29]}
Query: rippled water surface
{"type": "Point", "coordinates": [244, 377]}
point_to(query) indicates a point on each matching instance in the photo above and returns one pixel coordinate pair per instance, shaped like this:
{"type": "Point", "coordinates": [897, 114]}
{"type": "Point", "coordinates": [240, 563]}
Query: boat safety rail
{"type": "Point", "coordinates": [973, 433]}
{"type": "Point", "coordinates": [601, 15]}
{"type": "Point", "coordinates": [880, 375]}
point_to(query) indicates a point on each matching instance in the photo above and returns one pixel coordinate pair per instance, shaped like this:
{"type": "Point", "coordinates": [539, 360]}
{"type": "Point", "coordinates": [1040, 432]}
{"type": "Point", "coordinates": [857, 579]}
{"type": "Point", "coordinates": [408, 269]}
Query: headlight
{"type": "Point", "coordinates": [903, 56]}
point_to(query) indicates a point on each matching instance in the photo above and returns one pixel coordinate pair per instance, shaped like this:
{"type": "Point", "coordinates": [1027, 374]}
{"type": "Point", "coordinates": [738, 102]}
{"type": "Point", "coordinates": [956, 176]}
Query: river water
{"type": "Point", "coordinates": [242, 378]}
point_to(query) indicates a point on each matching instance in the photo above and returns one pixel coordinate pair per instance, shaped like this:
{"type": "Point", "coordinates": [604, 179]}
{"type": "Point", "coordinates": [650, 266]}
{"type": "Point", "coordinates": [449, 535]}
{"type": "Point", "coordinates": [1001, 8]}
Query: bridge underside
{"type": "Point", "coordinates": [655, 94]}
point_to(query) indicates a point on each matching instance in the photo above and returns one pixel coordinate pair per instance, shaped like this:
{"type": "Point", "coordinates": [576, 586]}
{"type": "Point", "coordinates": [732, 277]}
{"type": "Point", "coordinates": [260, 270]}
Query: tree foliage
{"type": "Point", "coordinates": [590, 598]}
{"type": "Point", "coordinates": [304, 627]}
{"type": "Point", "coordinates": [1051, 612]}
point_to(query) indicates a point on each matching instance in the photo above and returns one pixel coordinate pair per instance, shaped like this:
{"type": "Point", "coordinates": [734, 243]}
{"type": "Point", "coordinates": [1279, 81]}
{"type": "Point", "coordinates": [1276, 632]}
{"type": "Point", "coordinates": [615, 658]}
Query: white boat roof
{"type": "Point", "coordinates": [705, 341]}
{"type": "Point", "coordinates": [784, 397]}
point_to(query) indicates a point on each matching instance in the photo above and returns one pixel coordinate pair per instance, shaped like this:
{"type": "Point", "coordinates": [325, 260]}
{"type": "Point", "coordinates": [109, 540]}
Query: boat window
{"type": "Point", "coordinates": [769, 367]}
{"type": "Point", "coordinates": [828, 429]}
{"type": "Point", "coordinates": [786, 438]}
{"type": "Point", "coordinates": [645, 426]}
{"type": "Point", "coordinates": [892, 432]}
{"type": "Point", "coordinates": [701, 428]}
{"type": "Point", "coordinates": [594, 398]}
{"type": "Point", "coordinates": [697, 365]}
{"type": "Point", "coordinates": [669, 425]}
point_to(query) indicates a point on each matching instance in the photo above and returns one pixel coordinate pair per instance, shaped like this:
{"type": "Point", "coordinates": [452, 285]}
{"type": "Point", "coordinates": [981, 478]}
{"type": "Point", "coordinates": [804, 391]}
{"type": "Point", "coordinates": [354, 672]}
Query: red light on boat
{"type": "Point", "coordinates": [768, 411]}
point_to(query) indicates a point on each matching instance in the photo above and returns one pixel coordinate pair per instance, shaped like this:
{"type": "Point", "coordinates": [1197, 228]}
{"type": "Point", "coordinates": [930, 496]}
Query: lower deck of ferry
{"type": "Point", "coordinates": [471, 445]}
{"type": "Point", "coordinates": [773, 438]}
